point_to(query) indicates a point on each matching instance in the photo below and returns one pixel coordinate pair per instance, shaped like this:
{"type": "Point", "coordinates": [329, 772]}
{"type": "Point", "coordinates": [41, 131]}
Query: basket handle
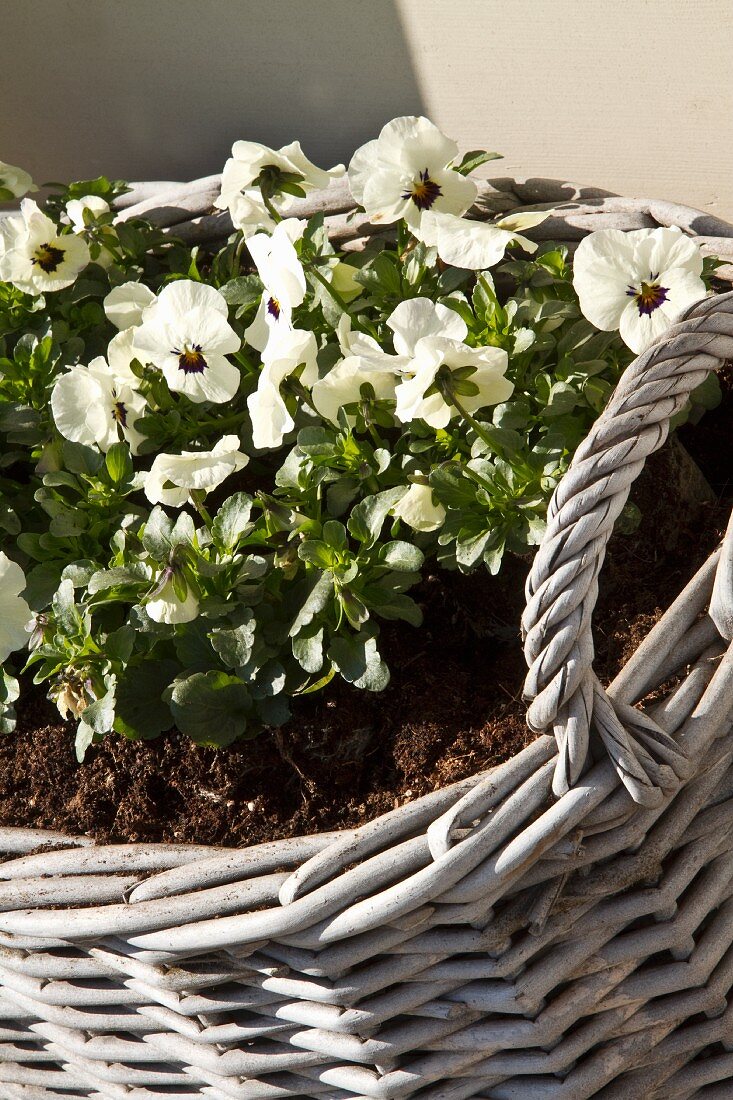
{"type": "Point", "coordinates": [563, 691]}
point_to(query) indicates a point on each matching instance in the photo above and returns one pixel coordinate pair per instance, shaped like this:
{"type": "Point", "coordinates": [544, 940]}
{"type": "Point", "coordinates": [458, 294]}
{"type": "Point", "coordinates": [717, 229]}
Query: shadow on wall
{"type": "Point", "coordinates": [161, 90]}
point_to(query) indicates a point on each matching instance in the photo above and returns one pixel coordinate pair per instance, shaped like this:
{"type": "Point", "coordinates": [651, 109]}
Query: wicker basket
{"type": "Point", "coordinates": [559, 926]}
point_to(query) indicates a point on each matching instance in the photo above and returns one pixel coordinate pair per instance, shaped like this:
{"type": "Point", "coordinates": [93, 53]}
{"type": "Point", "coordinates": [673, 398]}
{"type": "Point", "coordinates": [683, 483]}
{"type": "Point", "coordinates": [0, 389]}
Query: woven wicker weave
{"type": "Point", "coordinates": [560, 926]}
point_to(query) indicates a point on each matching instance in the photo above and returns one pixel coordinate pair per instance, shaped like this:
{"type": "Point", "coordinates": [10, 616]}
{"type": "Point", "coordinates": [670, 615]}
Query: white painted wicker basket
{"type": "Point", "coordinates": [560, 926]}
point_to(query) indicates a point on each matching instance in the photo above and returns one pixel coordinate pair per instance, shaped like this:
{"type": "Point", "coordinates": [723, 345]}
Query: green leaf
{"type": "Point", "coordinates": [212, 708]}
{"type": "Point", "coordinates": [314, 603]}
{"type": "Point", "coordinates": [82, 741]}
{"type": "Point", "coordinates": [234, 645]}
{"type": "Point", "coordinates": [484, 298]}
{"type": "Point", "coordinates": [101, 186]}
{"type": "Point", "coordinates": [469, 550]}
{"type": "Point", "coordinates": [473, 160]}
{"type": "Point", "coordinates": [40, 584]}
{"type": "Point", "coordinates": [141, 711]}
{"type": "Point", "coordinates": [562, 399]}
{"type": "Point", "coordinates": [232, 521]}
{"type": "Point", "coordinates": [355, 609]}
{"type": "Point", "coordinates": [78, 572]}
{"type": "Point", "coordinates": [334, 535]}
{"type": "Point", "coordinates": [156, 537]}
{"type": "Point", "coordinates": [493, 556]}
{"type": "Point", "coordinates": [452, 488]}
{"type": "Point", "coordinates": [119, 464]}
{"type": "Point", "coordinates": [135, 574]}
{"type": "Point", "coordinates": [242, 291]}
{"type": "Point", "coordinates": [96, 721]}
{"type": "Point", "coordinates": [118, 644]}
{"type": "Point", "coordinates": [368, 516]}
{"type": "Point", "coordinates": [9, 521]}
{"type": "Point", "coordinates": [308, 650]}
{"type": "Point", "coordinates": [382, 275]}
{"type": "Point", "coordinates": [512, 414]}
{"type": "Point", "coordinates": [357, 659]}
{"type": "Point", "coordinates": [317, 553]}
{"type": "Point", "coordinates": [66, 614]}
{"type": "Point", "coordinates": [402, 556]}
{"type": "Point", "coordinates": [183, 530]}
{"type": "Point", "coordinates": [393, 605]}
{"type": "Point", "coordinates": [274, 710]}
{"type": "Point", "coordinates": [9, 691]}
{"type": "Point", "coordinates": [80, 459]}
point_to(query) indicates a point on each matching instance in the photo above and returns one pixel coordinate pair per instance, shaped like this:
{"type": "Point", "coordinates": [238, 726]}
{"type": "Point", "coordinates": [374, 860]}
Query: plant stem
{"type": "Point", "coordinates": [477, 427]}
{"type": "Point", "coordinates": [237, 256]}
{"type": "Point", "coordinates": [197, 498]}
{"type": "Point", "coordinates": [297, 388]}
{"type": "Point", "coordinates": [223, 422]}
{"type": "Point", "coordinates": [340, 302]}
{"type": "Point", "coordinates": [276, 217]}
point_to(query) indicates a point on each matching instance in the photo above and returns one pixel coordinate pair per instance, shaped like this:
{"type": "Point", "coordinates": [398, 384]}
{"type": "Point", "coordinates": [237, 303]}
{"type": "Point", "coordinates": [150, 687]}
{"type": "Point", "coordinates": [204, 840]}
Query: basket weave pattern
{"type": "Point", "coordinates": [559, 926]}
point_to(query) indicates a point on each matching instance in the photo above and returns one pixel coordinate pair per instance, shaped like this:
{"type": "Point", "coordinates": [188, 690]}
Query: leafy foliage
{"type": "Point", "coordinates": [294, 563]}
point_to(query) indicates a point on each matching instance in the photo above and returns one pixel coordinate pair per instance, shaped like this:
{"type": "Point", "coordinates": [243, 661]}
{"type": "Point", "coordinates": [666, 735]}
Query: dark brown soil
{"type": "Point", "coordinates": [453, 706]}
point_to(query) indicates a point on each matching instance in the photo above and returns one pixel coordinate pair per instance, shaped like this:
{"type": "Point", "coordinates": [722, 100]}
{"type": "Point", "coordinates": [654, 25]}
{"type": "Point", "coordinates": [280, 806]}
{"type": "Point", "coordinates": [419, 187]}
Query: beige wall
{"type": "Point", "coordinates": [632, 95]}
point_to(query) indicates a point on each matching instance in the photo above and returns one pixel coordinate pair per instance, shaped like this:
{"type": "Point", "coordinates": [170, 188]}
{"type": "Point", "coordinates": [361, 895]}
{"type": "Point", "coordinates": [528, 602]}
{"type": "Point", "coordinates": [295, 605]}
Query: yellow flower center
{"type": "Point", "coordinates": [191, 360]}
{"type": "Point", "coordinates": [48, 257]}
{"type": "Point", "coordinates": [424, 191]}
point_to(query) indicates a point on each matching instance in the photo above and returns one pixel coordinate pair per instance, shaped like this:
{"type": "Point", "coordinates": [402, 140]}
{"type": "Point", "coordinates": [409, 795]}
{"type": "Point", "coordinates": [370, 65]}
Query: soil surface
{"type": "Point", "coordinates": [453, 706]}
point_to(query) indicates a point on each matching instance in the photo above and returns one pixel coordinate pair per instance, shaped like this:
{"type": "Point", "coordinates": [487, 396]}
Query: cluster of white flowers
{"type": "Point", "coordinates": [638, 283]}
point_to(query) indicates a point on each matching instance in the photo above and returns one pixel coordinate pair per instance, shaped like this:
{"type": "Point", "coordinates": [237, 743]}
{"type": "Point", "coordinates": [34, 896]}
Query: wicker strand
{"type": "Point", "coordinates": [187, 211]}
{"type": "Point", "coordinates": [563, 691]}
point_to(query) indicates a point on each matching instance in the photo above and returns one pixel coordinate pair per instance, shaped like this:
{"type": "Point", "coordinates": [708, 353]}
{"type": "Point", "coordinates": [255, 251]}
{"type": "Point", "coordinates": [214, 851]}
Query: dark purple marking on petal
{"type": "Point", "coordinates": [48, 257]}
{"type": "Point", "coordinates": [424, 191]}
{"type": "Point", "coordinates": [648, 297]}
{"type": "Point", "coordinates": [119, 413]}
{"type": "Point", "coordinates": [190, 360]}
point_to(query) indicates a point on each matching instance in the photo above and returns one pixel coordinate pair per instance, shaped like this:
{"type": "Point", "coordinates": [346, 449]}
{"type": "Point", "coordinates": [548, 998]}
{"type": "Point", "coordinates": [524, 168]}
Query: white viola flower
{"type": "Point", "coordinates": [418, 318]}
{"type": "Point", "coordinates": [271, 419]}
{"type": "Point", "coordinates": [639, 282]}
{"type": "Point", "coordinates": [249, 213]}
{"type": "Point", "coordinates": [430, 338]}
{"type": "Point", "coordinates": [172, 477]}
{"type": "Point", "coordinates": [419, 509]}
{"type": "Point", "coordinates": [248, 160]}
{"type": "Point", "coordinates": [95, 405]}
{"type": "Point", "coordinates": [15, 182]}
{"type": "Point", "coordinates": [125, 304]}
{"type": "Point", "coordinates": [406, 171]}
{"type": "Point", "coordinates": [439, 365]}
{"type": "Point", "coordinates": [186, 334]}
{"type": "Point", "coordinates": [120, 355]}
{"type": "Point", "coordinates": [167, 606]}
{"type": "Point", "coordinates": [75, 208]}
{"type": "Point", "coordinates": [342, 385]}
{"type": "Point", "coordinates": [477, 245]}
{"type": "Point", "coordinates": [354, 342]}
{"type": "Point", "coordinates": [34, 256]}
{"type": "Point", "coordinates": [15, 614]}
{"type": "Point", "coordinates": [283, 278]}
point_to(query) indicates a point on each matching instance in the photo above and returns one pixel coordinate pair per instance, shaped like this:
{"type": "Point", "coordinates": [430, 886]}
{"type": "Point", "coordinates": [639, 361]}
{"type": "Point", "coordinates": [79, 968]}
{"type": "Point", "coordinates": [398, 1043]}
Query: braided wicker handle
{"type": "Point", "coordinates": [562, 588]}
